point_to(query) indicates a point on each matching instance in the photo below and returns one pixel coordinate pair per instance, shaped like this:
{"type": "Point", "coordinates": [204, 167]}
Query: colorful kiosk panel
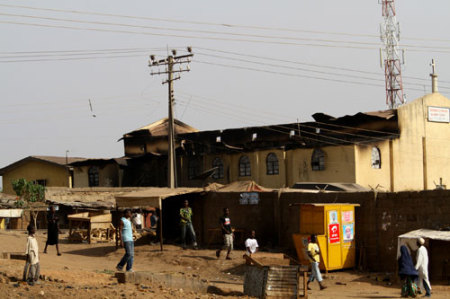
{"type": "Point", "coordinates": [334, 225]}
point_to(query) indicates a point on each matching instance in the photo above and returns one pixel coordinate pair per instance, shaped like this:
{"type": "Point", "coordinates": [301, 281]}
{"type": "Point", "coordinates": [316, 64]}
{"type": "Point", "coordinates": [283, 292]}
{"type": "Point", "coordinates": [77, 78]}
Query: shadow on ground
{"type": "Point", "coordinates": [207, 258]}
{"type": "Point", "coordinates": [217, 291]}
{"type": "Point", "coordinates": [237, 270]}
{"type": "Point", "coordinates": [379, 279]}
{"type": "Point", "coordinates": [94, 251]}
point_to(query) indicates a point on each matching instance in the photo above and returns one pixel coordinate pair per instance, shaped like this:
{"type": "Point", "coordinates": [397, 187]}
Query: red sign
{"type": "Point", "coordinates": [333, 233]}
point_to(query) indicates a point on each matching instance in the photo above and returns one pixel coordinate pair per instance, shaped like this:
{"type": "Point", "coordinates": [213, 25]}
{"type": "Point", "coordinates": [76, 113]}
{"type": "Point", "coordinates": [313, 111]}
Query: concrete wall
{"type": "Point", "coordinates": [339, 165]}
{"type": "Point", "coordinates": [367, 176]}
{"type": "Point", "coordinates": [108, 176]}
{"type": "Point", "coordinates": [56, 176]}
{"type": "Point", "coordinates": [437, 145]}
{"type": "Point", "coordinates": [421, 153]}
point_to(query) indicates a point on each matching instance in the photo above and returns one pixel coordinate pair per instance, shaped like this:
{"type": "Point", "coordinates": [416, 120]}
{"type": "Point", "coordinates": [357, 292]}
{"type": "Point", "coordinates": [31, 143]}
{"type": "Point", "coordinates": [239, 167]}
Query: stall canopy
{"type": "Point", "coordinates": [411, 237]}
{"type": "Point", "coordinates": [151, 197]}
{"type": "Point", "coordinates": [11, 213]}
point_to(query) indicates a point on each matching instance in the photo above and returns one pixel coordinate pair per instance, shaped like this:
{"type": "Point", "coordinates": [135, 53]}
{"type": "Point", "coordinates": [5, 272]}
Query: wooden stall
{"type": "Point", "coordinates": [97, 225]}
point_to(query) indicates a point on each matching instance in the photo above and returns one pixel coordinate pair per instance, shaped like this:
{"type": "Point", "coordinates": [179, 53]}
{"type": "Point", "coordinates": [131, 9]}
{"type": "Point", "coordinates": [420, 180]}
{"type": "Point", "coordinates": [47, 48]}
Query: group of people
{"type": "Point", "coordinates": [186, 227]}
{"type": "Point", "coordinates": [414, 276]}
{"type": "Point", "coordinates": [408, 272]}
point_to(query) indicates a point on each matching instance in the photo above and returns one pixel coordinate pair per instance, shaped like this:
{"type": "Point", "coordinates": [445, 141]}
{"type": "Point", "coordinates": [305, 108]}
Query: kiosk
{"type": "Point", "coordinates": [334, 225]}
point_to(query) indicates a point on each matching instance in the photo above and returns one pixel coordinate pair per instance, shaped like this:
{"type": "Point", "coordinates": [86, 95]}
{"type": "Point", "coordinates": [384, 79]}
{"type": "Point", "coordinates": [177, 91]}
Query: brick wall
{"type": "Point", "coordinates": [380, 219]}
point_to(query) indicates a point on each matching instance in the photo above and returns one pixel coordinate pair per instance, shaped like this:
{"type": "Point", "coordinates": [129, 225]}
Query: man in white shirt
{"type": "Point", "coordinates": [251, 245]}
{"type": "Point", "coordinates": [137, 220]}
{"type": "Point", "coordinates": [422, 267]}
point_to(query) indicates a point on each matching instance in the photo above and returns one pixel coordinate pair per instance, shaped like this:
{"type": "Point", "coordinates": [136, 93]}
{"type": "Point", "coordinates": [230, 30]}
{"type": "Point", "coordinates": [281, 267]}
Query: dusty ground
{"type": "Point", "coordinates": [86, 271]}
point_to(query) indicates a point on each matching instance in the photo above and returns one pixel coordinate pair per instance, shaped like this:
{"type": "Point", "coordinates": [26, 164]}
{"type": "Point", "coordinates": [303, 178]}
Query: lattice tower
{"type": "Point", "coordinates": [390, 36]}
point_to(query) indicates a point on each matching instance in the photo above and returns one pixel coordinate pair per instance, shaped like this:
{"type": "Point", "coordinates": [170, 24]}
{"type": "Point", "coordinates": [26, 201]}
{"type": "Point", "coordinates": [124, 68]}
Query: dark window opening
{"type": "Point", "coordinates": [318, 160]}
{"type": "Point", "coordinates": [194, 168]}
{"type": "Point", "coordinates": [93, 176]}
{"type": "Point", "coordinates": [244, 166]}
{"type": "Point", "coordinates": [218, 173]}
{"type": "Point", "coordinates": [272, 164]}
{"type": "Point", "coordinates": [376, 158]}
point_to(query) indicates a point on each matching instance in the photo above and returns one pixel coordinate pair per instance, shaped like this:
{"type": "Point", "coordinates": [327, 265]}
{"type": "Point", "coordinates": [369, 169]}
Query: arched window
{"type": "Point", "coordinates": [376, 158]}
{"type": "Point", "coordinates": [272, 164]}
{"type": "Point", "coordinates": [194, 167]}
{"type": "Point", "coordinates": [244, 166]}
{"type": "Point", "coordinates": [318, 160]}
{"type": "Point", "coordinates": [93, 176]}
{"type": "Point", "coordinates": [218, 173]}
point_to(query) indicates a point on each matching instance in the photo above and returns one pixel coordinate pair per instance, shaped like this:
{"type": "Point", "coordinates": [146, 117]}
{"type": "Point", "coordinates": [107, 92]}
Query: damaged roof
{"type": "Point", "coordinates": [160, 128]}
{"type": "Point", "coordinates": [94, 161]}
{"type": "Point", "coordinates": [324, 131]}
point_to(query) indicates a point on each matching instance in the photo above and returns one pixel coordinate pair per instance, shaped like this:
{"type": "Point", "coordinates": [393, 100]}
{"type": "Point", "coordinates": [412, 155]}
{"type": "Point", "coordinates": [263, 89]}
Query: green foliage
{"type": "Point", "coordinates": [28, 191]}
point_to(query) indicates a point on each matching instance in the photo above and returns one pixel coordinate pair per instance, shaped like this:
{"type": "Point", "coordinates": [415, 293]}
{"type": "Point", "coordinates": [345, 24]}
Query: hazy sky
{"type": "Point", "coordinates": [256, 62]}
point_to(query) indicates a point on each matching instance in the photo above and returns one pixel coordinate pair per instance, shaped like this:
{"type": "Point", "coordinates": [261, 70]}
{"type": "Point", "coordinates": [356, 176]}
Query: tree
{"type": "Point", "coordinates": [28, 192]}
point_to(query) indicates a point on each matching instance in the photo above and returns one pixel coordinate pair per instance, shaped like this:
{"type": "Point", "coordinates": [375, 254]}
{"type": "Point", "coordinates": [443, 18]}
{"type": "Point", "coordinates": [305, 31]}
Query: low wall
{"type": "Point", "coordinates": [380, 219]}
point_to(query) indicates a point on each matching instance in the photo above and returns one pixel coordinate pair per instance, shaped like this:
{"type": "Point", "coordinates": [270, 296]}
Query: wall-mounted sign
{"type": "Point", "coordinates": [333, 217]}
{"type": "Point", "coordinates": [347, 216]}
{"type": "Point", "coordinates": [439, 114]}
{"type": "Point", "coordinates": [249, 198]}
{"type": "Point", "coordinates": [347, 230]}
{"type": "Point", "coordinates": [333, 233]}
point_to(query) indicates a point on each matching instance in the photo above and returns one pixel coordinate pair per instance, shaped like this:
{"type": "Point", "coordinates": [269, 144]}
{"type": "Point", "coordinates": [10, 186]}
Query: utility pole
{"type": "Point", "coordinates": [169, 62]}
{"type": "Point", "coordinates": [390, 36]}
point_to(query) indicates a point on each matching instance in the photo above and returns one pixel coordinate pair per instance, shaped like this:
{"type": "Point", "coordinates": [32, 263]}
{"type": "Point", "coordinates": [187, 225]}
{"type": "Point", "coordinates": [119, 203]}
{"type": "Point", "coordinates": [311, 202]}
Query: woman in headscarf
{"type": "Point", "coordinates": [407, 272]}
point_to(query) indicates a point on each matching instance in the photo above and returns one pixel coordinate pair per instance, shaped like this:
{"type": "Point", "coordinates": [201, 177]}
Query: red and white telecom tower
{"type": "Point", "coordinates": [390, 36]}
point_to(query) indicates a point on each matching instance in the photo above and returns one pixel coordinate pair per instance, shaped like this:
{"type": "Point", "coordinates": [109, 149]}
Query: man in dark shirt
{"type": "Point", "coordinates": [227, 233]}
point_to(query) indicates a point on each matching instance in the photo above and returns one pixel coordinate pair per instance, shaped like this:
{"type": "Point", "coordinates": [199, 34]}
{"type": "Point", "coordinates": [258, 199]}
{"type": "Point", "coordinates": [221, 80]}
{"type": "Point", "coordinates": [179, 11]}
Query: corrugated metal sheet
{"type": "Point", "coordinates": [282, 282]}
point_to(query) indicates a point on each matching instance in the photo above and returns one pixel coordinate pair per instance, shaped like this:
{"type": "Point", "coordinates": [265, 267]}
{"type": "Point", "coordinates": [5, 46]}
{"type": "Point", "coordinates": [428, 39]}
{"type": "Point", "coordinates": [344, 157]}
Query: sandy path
{"type": "Point", "coordinates": [87, 272]}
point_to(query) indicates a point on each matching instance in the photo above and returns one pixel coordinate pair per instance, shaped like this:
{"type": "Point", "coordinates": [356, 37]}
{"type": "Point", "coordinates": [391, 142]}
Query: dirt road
{"type": "Point", "coordinates": [87, 271]}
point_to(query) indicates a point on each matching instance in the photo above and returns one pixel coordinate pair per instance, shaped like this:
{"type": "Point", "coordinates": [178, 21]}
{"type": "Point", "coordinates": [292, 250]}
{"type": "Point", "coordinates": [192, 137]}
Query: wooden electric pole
{"type": "Point", "coordinates": [170, 61]}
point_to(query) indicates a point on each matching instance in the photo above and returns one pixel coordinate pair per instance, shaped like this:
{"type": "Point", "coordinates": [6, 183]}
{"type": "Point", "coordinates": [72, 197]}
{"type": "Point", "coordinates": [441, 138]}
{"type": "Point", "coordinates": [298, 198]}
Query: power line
{"type": "Point", "coordinates": [305, 63]}
{"type": "Point", "coordinates": [223, 25]}
{"type": "Point", "coordinates": [213, 32]}
{"type": "Point", "coordinates": [186, 36]}
{"type": "Point", "coordinates": [291, 74]}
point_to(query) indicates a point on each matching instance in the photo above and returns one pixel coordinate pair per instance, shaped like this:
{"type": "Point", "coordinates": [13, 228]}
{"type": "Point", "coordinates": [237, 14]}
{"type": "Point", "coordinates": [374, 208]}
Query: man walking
{"type": "Point", "coordinates": [227, 233]}
{"type": "Point", "coordinates": [314, 258]}
{"type": "Point", "coordinates": [126, 240]}
{"type": "Point", "coordinates": [422, 267]}
{"type": "Point", "coordinates": [186, 225]}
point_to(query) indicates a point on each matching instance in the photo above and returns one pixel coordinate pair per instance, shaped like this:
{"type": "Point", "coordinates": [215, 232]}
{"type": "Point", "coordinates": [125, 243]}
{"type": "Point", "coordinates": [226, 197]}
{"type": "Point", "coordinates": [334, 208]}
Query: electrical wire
{"type": "Point", "coordinates": [185, 36]}
{"type": "Point", "coordinates": [291, 74]}
{"type": "Point", "coordinates": [304, 63]}
{"type": "Point", "coordinates": [226, 25]}
{"type": "Point", "coordinates": [217, 32]}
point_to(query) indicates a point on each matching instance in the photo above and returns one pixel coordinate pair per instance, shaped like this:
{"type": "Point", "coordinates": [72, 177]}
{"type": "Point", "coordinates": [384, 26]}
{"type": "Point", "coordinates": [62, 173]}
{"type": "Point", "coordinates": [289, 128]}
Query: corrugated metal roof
{"type": "Point", "coordinates": [427, 234]}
